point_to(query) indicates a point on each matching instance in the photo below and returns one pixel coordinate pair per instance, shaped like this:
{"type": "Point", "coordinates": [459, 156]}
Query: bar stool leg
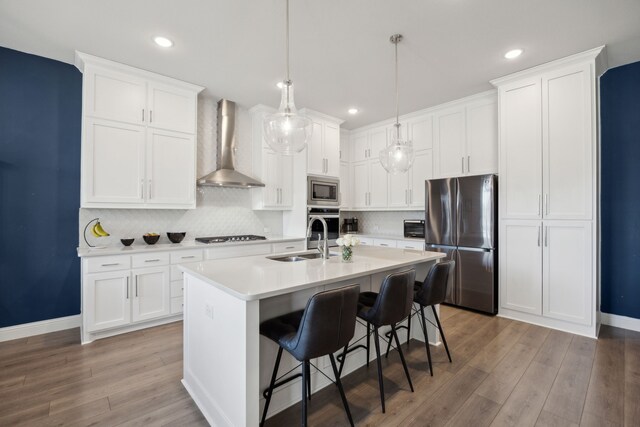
{"type": "Point", "coordinates": [273, 380]}
{"type": "Point", "coordinates": [368, 342]}
{"type": "Point", "coordinates": [304, 393]}
{"type": "Point", "coordinates": [344, 357]}
{"type": "Point", "coordinates": [404, 363]}
{"type": "Point", "coordinates": [379, 362]}
{"type": "Point", "coordinates": [308, 368]}
{"type": "Point", "coordinates": [426, 338]}
{"type": "Point", "coordinates": [444, 340]}
{"type": "Point", "coordinates": [339, 383]}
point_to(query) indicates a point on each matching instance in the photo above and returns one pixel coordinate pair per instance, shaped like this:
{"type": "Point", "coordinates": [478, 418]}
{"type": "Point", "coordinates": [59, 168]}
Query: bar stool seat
{"type": "Point", "coordinates": [325, 326]}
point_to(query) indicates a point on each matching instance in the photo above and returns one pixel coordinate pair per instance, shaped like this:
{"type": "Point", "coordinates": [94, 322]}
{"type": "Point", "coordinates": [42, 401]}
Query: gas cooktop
{"type": "Point", "coordinates": [223, 239]}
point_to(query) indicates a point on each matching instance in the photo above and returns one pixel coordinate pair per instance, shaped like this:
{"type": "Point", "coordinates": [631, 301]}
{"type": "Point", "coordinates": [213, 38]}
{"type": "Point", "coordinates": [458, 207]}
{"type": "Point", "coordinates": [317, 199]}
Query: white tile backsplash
{"type": "Point", "coordinates": [383, 223]}
{"type": "Point", "coordinates": [220, 211]}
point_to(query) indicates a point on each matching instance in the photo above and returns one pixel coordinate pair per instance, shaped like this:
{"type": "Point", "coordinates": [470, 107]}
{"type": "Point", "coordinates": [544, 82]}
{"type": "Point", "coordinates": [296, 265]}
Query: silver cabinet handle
{"type": "Point", "coordinates": [142, 187]}
{"type": "Point", "coordinates": [462, 158]}
{"type": "Point", "coordinates": [136, 286]}
{"type": "Point", "coordinates": [150, 196]}
{"type": "Point", "coordinates": [468, 164]}
{"type": "Point", "coordinates": [546, 237]}
{"type": "Point", "coordinates": [546, 203]}
{"type": "Point", "coordinates": [410, 196]}
{"type": "Point", "coordinates": [152, 260]}
{"type": "Point", "coordinates": [406, 197]}
{"type": "Point", "coordinates": [539, 204]}
{"type": "Point", "coordinates": [143, 114]}
{"type": "Point", "coordinates": [127, 287]}
{"type": "Point", "coordinates": [111, 264]}
{"type": "Point", "coordinates": [539, 231]}
{"type": "Point", "coordinates": [290, 247]}
{"type": "Point", "coordinates": [187, 257]}
{"type": "Point", "coordinates": [383, 244]}
{"type": "Point", "coordinates": [150, 116]}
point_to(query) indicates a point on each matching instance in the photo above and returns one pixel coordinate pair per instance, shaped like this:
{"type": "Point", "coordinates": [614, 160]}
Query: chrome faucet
{"type": "Point", "coordinates": [324, 250]}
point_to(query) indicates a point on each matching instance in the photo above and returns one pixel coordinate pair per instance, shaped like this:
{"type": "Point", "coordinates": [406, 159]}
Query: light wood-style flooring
{"type": "Point", "coordinates": [503, 373]}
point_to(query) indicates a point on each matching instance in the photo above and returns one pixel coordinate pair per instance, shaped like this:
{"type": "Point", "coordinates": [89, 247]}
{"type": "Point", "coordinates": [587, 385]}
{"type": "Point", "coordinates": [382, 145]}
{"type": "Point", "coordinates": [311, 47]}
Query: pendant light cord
{"type": "Point", "coordinates": [287, 40]}
{"type": "Point", "coordinates": [396, 41]}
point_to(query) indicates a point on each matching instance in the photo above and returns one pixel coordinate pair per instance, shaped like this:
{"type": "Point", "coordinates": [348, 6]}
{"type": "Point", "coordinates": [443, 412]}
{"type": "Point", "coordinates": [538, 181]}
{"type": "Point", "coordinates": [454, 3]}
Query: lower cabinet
{"type": "Point", "coordinates": [545, 269]}
{"type": "Point", "coordinates": [109, 294]}
{"type": "Point", "coordinates": [151, 293]}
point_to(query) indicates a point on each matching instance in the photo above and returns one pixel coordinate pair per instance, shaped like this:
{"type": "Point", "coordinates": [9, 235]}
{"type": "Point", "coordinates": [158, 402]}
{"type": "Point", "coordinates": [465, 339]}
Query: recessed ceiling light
{"type": "Point", "coordinates": [513, 53]}
{"type": "Point", "coordinates": [353, 111]}
{"type": "Point", "coordinates": [163, 41]}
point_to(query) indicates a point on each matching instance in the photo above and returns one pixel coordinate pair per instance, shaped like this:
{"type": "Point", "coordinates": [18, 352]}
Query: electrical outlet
{"type": "Point", "coordinates": [208, 311]}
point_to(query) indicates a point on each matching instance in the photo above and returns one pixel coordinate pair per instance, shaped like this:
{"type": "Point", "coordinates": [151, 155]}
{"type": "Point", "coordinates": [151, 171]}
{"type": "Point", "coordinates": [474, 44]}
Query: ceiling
{"type": "Point", "coordinates": [340, 50]}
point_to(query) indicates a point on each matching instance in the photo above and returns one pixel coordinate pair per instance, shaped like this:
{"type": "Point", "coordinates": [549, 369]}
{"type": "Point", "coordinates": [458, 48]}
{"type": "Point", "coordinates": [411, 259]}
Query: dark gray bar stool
{"type": "Point", "coordinates": [386, 308]}
{"type": "Point", "coordinates": [429, 293]}
{"type": "Point", "coordinates": [325, 326]}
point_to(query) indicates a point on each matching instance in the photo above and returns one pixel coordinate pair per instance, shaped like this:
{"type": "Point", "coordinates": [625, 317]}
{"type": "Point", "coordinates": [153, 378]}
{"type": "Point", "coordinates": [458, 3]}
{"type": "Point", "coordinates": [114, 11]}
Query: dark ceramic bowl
{"type": "Point", "coordinates": [176, 237]}
{"type": "Point", "coordinates": [151, 240]}
{"type": "Point", "coordinates": [127, 242]}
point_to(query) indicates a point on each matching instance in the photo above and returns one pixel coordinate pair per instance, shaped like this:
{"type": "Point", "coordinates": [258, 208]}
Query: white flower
{"type": "Point", "coordinates": [348, 240]}
{"type": "Point", "coordinates": [340, 242]}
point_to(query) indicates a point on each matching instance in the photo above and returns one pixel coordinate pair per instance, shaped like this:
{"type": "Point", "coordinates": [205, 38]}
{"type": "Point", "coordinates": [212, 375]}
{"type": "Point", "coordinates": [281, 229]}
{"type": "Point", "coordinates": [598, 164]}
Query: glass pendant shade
{"type": "Point", "coordinates": [286, 131]}
{"type": "Point", "coordinates": [398, 157]}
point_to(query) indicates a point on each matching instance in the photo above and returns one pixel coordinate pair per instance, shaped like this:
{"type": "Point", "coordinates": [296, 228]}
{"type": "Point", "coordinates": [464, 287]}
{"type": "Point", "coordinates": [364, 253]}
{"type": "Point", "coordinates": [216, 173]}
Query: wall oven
{"type": "Point", "coordinates": [323, 191]}
{"type": "Point", "coordinates": [332, 217]}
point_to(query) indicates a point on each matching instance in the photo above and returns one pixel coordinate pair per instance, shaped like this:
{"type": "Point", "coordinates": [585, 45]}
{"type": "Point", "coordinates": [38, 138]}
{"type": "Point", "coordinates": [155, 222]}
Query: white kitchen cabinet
{"type": "Point", "coordinates": [567, 271]}
{"type": "Point", "coordinates": [113, 163]}
{"type": "Point", "coordinates": [408, 189]}
{"type": "Point", "coordinates": [378, 139]}
{"type": "Point", "coordinates": [171, 162]}
{"type": "Point", "coordinates": [360, 184]}
{"type": "Point", "coordinates": [385, 243]}
{"type": "Point", "coordinates": [323, 150]}
{"type": "Point", "coordinates": [399, 190]}
{"type": "Point", "coordinates": [109, 296]}
{"type": "Point", "coordinates": [345, 186]}
{"type": "Point", "coordinates": [151, 293]}
{"type": "Point", "coordinates": [345, 146]}
{"type": "Point", "coordinates": [360, 144]}
{"type": "Point", "coordinates": [368, 144]}
{"type": "Point", "coordinates": [449, 138]}
{"type": "Point", "coordinates": [125, 110]}
{"type": "Point", "coordinates": [420, 131]}
{"type": "Point", "coordinates": [521, 266]}
{"type": "Point", "coordinates": [369, 185]}
{"type": "Point", "coordinates": [482, 136]}
{"type": "Point", "coordinates": [410, 244]}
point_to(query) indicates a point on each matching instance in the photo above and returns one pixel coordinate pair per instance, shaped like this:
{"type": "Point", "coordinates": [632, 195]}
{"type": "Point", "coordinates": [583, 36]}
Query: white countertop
{"type": "Point", "coordinates": [257, 277]}
{"type": "Point", "coordinates": [387, 236]}
{"type": "Point", "coordinates": [141, 247]}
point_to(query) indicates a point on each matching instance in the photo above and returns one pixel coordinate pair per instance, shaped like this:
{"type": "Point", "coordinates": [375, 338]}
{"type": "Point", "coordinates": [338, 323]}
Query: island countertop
{"type": "Point", "coordinates": [258, 277]}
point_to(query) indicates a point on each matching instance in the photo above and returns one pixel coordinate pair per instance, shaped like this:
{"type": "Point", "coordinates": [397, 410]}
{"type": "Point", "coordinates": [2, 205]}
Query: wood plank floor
{"type": "Point", "coordinates": [504, 373]}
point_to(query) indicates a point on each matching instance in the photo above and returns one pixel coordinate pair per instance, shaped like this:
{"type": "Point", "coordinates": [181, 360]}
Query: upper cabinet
{"type": "Point", "coordinates": [139, 137]}
{"type": "Point", "coordinates": [323, 150]}
{"type": "Point", "coordinates": [466, 138]}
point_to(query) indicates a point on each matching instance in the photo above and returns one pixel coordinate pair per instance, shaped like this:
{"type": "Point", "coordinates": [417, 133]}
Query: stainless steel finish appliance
{"type": "Point", "coordinates": [350, 225]}
{"type": "Point", "coordinates": [414, 228]}
{"type": "Point", "coordinates": [461, 221]}
{"type": "Point", "coordinates": [332, 218]}
{"type": "Point", "coordinates": [323, 191]}
{"type": "Point", "coordinates": [223, 239]}
{"type": "Point", "coordinates": [225, 174]}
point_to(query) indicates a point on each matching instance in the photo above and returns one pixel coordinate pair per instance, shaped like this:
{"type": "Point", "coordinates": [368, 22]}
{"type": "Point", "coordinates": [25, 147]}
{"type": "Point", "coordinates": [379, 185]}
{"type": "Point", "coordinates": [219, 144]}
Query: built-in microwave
{"type": "Point", "coordinates": [323, 191]}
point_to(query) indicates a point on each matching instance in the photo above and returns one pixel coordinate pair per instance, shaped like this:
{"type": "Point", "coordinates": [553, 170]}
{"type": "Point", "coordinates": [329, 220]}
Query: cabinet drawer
{"type": "Point", "coordinates": [289, 247]}
{"type": "Point", "coordinates": [177, 305]}
{"type": "Point", "coordinates": [409, 244]}
{"type": "Point", "coordinates": [150, 260]}
{"type": "Point", "coordinates": [107, 263]}
{"type": "Point", "coordinates": [238, 251]}
{"type": "Point", "coordinates": [365, 241]}
{"type": "Point", "coordinates": [181, 257]}
{"type": "Point", "coordinates": [385, 243]}
{"type": "Point", "coordinates": [177, 288]}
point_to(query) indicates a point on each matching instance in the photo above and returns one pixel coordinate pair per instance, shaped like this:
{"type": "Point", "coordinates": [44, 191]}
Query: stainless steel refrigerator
{"type": "Point", "coordinates": [461, 221]}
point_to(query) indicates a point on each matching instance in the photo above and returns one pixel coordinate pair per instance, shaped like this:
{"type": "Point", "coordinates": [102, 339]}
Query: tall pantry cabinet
{"type": "Point", "coordinates": [548, 132]}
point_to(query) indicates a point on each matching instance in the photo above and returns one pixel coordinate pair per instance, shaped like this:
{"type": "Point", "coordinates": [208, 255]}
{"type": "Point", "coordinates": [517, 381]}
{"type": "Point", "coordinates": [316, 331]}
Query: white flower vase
{"type": "Point", "coordinates": [347, 254]}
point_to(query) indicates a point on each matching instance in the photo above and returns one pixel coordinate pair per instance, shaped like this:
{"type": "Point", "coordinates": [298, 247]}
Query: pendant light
{"type": "Point", "coordinates": [286, 131]}
{"type": "Point", "coordinates": [398, 156]}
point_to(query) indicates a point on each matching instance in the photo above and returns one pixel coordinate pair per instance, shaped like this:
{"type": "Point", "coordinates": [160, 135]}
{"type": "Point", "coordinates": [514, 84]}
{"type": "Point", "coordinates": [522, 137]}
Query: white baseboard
{"type": "Point", "coordinates": [623, 322]}
{"type": "Point", "coordinates": [37, 328]}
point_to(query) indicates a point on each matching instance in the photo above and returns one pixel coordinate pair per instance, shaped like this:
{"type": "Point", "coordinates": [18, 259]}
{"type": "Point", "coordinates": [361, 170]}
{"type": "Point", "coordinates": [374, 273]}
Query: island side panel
{"type": "Point", "coordinates": [221, 354]}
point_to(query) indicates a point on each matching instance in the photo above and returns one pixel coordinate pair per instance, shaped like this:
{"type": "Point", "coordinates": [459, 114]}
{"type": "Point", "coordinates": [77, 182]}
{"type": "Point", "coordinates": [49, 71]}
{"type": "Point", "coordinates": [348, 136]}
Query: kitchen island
{"type": "Point", "coordinates": [226, 363]}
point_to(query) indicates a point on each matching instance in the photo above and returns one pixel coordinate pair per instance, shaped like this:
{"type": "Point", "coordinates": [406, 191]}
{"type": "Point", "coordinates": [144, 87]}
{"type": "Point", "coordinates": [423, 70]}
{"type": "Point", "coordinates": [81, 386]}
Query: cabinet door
{"type": "Point", "coordinates": [377, 141]}
{"type": "Point", "coordinates": [449, 139]}
{"type": "Point", "coordinates": [399, 189]}
{"type": "Point", "coordinates": [421, 132]}
{"type": "Point", "coordinates": [171, 178]}
{"type": "Point", "coordinates": [482, 137]}
{"type": "Point", "coordinates": [112, 163]}
{"type": "Point", "coordinates": [360, 185]}
{"type": "Point", "coordinates": [114, 96]}
{"type": "Point", "coordinates": [521, 266]}
{"type": "Point", "coordinates": [270, 178]}
{"type": "Point", "coordinates": [285, 181]}
{"type": "Point", "coordinates": [360, 147]}
{"type": "Point", "coordinates": [151, 293]}
{"type": "Point", "coordinates": [315, 157]}
{"type": "Point", "coordinates": [107, 302]}
{"type": "Point", "coordinates": [378, 185]}
{"type": "Point", "coordinates": [172, 108]}
{"type": "Point", "coordinates": [567, 143]}
{"type": "Point", "coordinates": [520, 150]}
{"type": "Point", "coordinates": [332, 149]}
{"type": "Point", "coordinates": [421, 171]}
{"type": "Point", "coordinates": [568, 285]}
{"type": "Point", "coordinates": [345, 186]}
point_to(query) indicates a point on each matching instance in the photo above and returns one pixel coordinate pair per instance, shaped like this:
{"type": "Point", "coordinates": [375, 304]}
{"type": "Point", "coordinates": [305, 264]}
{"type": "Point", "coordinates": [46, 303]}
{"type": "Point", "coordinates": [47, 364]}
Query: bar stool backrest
{"type": "Point", "coordinates": [328, 323]}
{"type": "Point", "coordinates": [434, 287]}
{"type": "Point", "coordinates": [395, 298]}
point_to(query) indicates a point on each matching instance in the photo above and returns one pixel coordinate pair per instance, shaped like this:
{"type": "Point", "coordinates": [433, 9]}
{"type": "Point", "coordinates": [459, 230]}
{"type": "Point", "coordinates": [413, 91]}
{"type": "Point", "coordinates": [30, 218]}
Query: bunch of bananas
{"type": "Point", "coordinates": [98, 231]}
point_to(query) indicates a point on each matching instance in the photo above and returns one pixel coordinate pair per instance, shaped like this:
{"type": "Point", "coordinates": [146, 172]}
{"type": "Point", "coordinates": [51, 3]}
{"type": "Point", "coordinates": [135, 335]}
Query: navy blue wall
{"type": "Point", "coordinates": [40, 121]}
{"type": "Point", "coordinates": [620, 117]}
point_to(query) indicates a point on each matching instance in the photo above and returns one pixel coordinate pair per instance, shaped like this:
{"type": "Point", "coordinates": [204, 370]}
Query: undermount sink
{"type": "Point", "coordinates": [298, 257]}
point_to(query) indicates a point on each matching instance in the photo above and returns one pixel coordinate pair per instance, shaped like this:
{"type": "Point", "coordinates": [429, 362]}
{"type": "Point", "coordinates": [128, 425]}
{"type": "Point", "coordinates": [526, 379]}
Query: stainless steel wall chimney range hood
{"type": "Point", "coordinates": [225, 174]}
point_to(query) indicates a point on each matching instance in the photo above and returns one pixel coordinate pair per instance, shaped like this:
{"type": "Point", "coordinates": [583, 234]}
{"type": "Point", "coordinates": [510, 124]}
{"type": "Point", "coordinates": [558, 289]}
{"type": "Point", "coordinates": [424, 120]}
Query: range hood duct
{"type": "Point", "coordinates": [225, 174]}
